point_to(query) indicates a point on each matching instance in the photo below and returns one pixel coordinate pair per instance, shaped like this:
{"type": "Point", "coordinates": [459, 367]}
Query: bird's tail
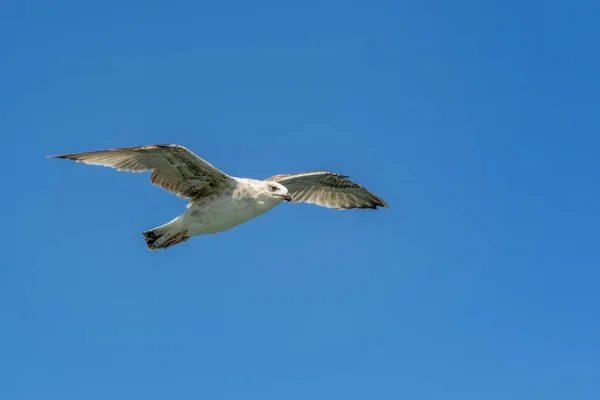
{"type": "Point", "coordinates": [165, 235]}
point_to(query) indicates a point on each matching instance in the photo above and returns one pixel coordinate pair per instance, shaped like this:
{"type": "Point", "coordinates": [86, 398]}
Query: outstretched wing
{"type": "Point", "coordinates": [327, 189]}
{"type": "Point", "coordinates": [174, 168]}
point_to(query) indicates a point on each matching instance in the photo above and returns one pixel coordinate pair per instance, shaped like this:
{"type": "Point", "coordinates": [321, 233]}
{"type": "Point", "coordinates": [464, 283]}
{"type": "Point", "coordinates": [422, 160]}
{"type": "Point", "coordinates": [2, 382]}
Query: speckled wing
{"type": "Point", "coordinates": [328, 189]}
{"type": "Point", "coordinates": [174, 168]}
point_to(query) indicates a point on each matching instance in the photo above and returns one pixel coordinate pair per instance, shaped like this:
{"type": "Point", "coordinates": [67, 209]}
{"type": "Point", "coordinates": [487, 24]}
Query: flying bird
{"type": "Point", "coordinates": [217, 201]}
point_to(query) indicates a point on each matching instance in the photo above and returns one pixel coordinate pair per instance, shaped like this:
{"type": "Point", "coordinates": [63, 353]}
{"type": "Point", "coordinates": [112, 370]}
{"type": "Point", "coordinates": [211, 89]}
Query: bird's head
{"type": "Point", "coordinates": [276, 191]}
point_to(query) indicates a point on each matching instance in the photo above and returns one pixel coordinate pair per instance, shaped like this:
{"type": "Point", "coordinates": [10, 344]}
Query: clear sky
{"type": "Point", "coordinates": [476, 121]}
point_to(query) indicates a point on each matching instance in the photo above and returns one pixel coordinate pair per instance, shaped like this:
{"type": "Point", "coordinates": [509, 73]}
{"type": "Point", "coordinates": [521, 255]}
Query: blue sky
{"type": "Point", "coordinates": [476, 121]}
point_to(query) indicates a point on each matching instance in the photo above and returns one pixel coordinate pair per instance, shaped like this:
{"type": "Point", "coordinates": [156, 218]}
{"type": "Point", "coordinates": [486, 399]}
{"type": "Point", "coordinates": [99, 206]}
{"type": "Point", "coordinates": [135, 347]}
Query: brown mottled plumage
{"type": "Point", "coordinates": [174, 168]}
{"type": "Point", "coordinates": [328, 189]}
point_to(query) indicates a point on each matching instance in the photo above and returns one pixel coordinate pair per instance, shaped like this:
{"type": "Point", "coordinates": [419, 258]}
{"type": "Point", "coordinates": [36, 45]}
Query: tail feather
{"type": "Point", "coordinates": [152, 236]}
{"type": "Point", "coordinates": [165, 235]}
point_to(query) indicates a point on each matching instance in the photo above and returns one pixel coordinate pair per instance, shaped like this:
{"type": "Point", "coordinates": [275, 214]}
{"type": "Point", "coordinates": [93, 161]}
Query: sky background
{"type": "Point", "coordinates": [476, 121]}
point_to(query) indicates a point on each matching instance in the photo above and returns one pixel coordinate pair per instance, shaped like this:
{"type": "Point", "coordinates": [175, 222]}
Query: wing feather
{"type": "Point", "coordinates": [174, 168]}
{"type": "Point", "coordinates": [328, 189]}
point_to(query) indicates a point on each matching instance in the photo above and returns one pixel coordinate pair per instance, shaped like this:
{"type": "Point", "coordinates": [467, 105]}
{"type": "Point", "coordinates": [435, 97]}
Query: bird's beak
{"type": "Point", "coordinates": [287, 197]}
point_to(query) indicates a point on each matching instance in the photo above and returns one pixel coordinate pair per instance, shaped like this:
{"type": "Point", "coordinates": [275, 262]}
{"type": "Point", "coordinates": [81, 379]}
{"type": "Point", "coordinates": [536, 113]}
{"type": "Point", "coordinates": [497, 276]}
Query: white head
{"type": "Point", "coordinates": [274, 190]}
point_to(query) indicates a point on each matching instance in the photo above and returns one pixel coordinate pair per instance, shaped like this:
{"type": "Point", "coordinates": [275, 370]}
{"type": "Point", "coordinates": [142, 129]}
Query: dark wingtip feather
{"type": "Point", "coordinates": [64, 156]}
{"type": "Point", "coordinates": [379, 202]}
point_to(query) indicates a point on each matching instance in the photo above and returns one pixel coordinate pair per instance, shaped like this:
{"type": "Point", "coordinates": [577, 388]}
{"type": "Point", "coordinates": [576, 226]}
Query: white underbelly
{"type": "Point", "coordinates": [221, 214]}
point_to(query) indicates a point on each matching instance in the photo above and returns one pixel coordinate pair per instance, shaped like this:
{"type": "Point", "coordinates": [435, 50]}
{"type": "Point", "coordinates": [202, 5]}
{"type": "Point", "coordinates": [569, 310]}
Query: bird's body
{"type": "Point", "coordinates": [240, 202]}
{"type": "Point", "coordinates": [220, 212]}
{"type": "Point", "coordinates": [218, 201]}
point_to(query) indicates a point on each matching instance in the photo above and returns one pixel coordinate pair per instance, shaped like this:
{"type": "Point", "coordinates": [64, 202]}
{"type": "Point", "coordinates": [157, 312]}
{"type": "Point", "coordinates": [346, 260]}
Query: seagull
{"type": "Point", "coordinates": [217, 201]}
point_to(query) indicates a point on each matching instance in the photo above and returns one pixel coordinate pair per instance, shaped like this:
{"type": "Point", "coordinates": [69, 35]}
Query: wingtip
{"type": "Point", "coordinates": [63, 156]}
{"type": "Point", "coordinates": [382, 203]}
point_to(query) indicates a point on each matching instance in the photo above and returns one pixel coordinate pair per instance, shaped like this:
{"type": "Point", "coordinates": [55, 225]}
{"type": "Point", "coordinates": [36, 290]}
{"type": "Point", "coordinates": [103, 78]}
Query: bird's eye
{"type": "Point", "coordinates": [273, 188]}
